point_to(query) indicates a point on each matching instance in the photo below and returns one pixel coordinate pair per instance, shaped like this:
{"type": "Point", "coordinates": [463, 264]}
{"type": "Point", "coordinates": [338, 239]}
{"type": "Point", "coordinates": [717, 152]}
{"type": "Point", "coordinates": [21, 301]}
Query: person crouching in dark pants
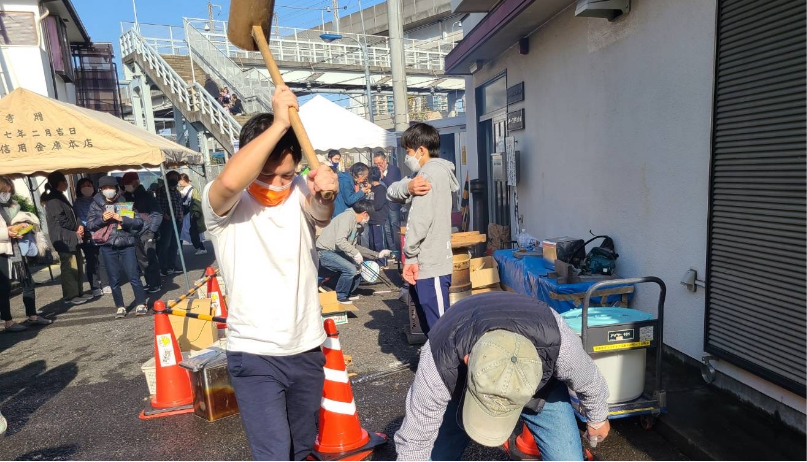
{"type": "Point", "coordinates": [146, 245]}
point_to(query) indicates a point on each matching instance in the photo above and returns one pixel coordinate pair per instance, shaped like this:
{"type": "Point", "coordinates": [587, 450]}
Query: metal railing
{"type": "Point", "coordinates": [190, 97]}
{"type": "Point", "coordinates": [302, 45]}
{"type": "Point", "coordinates": [251, 85]}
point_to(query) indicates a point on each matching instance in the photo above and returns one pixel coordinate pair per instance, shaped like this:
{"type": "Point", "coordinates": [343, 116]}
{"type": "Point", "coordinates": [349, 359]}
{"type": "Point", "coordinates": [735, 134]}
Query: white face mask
{"type": "Point", "coordinates": [413, 163]}
{"type": "Point", "coordinates": [272, 187]}
{"type": "Point", "coordinates": [365, 221]}
{"type": "Point", "coordinates": [109, 193]}
{"type": "Point", "coordinates": [5, 197]}
{"type": "Point", "coordinates": [129, 188]}
{"type": "Point", "coordinates": [87, 192]}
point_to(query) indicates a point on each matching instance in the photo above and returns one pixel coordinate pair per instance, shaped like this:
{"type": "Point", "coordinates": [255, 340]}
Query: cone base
{"type": "Point", "coordinates": [376, 439]}
{"type": "Point", "coordinates": [512, 450]}
{"type": "Point", "coordinates": [527, 447]}
{"type": "Point", "coordinates": [151, 412]}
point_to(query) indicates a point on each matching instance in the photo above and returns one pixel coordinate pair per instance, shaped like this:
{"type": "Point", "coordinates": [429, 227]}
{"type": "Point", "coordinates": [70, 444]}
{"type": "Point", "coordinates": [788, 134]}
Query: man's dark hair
{"type": "Point", "coordinates": [381, 154]}
{"type": "Point", "coordinates": [173, 173]}
{"type": "Point", "coordinates": [358, 169]}
{"type": "Point", "coordinates": [363, 205]}
{"type": "Point", "coordinates": [259, 124]}
{"type": "Point", "coordinates": [332, 153]}
{"type": "Point", "coordinates": [375, 174]}
{"type": "Point", "coordinates": [424, 135]}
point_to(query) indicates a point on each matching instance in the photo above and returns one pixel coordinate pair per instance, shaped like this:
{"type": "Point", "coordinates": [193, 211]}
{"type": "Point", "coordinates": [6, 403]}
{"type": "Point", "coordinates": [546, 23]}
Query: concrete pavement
{"type": "Point", "coordinates": [73, 390]}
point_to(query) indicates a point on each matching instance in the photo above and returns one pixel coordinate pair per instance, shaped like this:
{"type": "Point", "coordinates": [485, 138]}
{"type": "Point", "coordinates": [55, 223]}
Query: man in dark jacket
{"type": "Point", "coordinates": [500, 356]}
{"type": "Point", "coordinates": [152, 216]}
{"type": "Point", "coordinates": [390, 174]}
{"type": "Point", "coordinates": [121, 234]}
{"type": "Point", "coordinates": [66, 232]}
{"type": "Point", "coordinates": [167, 245]}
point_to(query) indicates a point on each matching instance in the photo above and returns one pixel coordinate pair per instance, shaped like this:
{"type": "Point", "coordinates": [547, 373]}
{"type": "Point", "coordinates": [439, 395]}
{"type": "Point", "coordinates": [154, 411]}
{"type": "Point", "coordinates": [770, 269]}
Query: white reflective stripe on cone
{"type": "Point", "coordinates": [332, 343]}
{"type": "Point", "coordinates": [339, 407]}
{"type": "Point", "coordinates": [336, 376]}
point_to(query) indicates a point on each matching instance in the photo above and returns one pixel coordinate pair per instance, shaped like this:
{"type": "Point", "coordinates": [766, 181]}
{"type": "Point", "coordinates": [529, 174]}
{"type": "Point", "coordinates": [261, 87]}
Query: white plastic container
{"type": "Point", "coordinates": [624, 371]}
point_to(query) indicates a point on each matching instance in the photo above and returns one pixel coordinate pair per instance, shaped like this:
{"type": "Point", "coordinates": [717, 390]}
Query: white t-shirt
{"type": "Point", "coordinates": [269, 263]}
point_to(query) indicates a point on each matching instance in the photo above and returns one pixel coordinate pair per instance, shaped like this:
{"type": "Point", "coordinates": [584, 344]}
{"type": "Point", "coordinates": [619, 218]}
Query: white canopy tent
{"type": "Point", "coordinates": [331, 126]}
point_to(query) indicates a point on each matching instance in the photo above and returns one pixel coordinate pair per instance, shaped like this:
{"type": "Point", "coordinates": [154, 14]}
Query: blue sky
{"type": "Point", "coordinates": [102, 18]}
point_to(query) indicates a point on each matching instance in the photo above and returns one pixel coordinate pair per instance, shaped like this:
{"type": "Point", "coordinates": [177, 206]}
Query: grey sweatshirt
{"type": "Point", "coordinates": [341, 236]}
{"type": "Point", "coordinates": [428, 228]}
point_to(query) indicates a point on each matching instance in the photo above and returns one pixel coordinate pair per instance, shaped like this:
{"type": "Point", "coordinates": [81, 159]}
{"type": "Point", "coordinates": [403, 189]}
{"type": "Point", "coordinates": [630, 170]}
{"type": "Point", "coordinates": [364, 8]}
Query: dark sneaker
{"type": "Point", "coordinates": [39, 321]}
{"type": "Point", "coordinates": [16, 327]}
{"type": "Point", "coordinates": [153, 289]}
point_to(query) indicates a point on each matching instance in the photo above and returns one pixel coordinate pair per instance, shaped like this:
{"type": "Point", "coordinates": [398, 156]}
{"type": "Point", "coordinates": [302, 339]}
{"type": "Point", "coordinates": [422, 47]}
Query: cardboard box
{"type": "Point", "coordinates": [484, 272]}
{"type": "Point", "coordinates": [332, 309]}
{"type": "Point", "coordinates": [194, 334]}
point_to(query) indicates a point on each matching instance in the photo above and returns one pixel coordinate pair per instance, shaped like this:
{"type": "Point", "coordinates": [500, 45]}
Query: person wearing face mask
{"type": "Point", "coordinates": [335, 159]}
{"type": "Point", "coordinates": [353, 187]}
{"type": "Point", "coordinates": [85, 191]}
{"type": "Point", "coordinates": [13, 264]}
{"type": "Point", "coordinates": [146, 245]}
{"type": "Point", "coordinates": [118, 249]}
{"type": "Point", "coordinates": [339, 253]}
{"type": "Point", "coordinates": [167, 245]}
{"type": "Point", "coordinates": [427, 248]}
{"type": "Point", "coordinates": [193, 225]}
{"type": "Point", "coordinates": [66, 233]}
{"type": "Point", "coordinates": [261, 217]}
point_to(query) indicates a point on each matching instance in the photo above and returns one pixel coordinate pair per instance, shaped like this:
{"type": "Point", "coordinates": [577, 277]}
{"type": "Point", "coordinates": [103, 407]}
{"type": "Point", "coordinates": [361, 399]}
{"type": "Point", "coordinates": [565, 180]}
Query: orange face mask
{"type": "Point", "coordinates": [268, 195]}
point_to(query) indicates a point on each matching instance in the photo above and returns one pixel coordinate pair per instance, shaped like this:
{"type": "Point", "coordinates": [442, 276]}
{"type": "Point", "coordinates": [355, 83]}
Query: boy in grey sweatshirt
{"type": "Point", "coordinates": [339, 252]}
{"type": "Point", "coordinates": [427, 247]}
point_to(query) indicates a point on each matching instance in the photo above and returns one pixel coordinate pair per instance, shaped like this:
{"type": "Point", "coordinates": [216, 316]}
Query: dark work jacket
{"type": "Point", "coordinates": [62, 223]}
{"type": "Point", "coordinates": [380, 205]}
{"type": "Point", "coordinates": [456, 332]}
{"type": "Point", "coordinates": [393, 175]}
{"type": "Point", "coordinates": [147, 204]}
{"type": "Point", "coordinates": [119, 238]}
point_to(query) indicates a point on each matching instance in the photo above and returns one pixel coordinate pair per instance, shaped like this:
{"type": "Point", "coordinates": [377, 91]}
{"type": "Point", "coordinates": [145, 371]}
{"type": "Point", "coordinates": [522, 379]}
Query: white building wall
{"type": "Point", "coordinates": [29, 66]}
{"type": "Point", "coordinates": [617, 141]}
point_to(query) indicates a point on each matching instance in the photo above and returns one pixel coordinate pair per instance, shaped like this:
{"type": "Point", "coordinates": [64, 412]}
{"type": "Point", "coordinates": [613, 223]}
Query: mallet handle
{"type": "Point", "coordinates": [296, 123]}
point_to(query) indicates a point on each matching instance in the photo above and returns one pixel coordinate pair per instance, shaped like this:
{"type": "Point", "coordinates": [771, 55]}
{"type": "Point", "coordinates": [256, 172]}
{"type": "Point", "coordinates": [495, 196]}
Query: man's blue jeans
{"type": "Point", "coordinates": [554, 429]}
{"type": "Point", "coordinates": [349, 277]}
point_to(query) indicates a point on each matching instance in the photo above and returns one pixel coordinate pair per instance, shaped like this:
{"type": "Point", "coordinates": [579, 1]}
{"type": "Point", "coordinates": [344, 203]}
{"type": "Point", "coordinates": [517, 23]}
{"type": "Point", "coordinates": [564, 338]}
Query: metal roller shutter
{"type": "Point", "coordinates": [756, 303]}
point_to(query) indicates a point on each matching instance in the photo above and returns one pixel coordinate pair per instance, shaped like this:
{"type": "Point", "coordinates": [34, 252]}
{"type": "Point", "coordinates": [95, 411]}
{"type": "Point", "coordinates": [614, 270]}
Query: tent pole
{"type": "Point", "coordinates": [174, 224]}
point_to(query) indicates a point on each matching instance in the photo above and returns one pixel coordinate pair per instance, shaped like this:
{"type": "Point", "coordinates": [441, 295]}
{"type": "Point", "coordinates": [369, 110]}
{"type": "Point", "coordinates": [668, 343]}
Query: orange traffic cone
{"type": "Point", "coordinates": [341, 436]}
{"type": "Point", "coordinates": [174, 394]}
{"type": "Point", "coordinates": [523, 447]}
{"type": "Point", "coordinates": [217, 300]}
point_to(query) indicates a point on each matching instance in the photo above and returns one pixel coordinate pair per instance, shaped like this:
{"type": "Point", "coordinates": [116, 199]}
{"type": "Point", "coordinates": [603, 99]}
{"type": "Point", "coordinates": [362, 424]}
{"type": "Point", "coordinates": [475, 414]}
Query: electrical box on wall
{"type": "Point", "coordinates": [608, 9]}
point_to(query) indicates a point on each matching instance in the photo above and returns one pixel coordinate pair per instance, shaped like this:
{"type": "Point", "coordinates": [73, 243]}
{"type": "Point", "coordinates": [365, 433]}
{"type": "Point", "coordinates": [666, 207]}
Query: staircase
{"type": "Point", "coordinates": [254, 89]}
{"type": "Point", "coordinates": [172, 75]}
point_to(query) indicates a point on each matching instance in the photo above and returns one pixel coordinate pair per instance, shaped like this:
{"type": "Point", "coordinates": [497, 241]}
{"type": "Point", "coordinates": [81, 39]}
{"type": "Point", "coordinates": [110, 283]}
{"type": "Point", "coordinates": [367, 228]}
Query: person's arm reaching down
{"type": "Point", "coordinates": [426, 404]}
{"type": "Point", "coordinates": [245, 166]}
{"type": "Point", "coordinates": [578, 371]}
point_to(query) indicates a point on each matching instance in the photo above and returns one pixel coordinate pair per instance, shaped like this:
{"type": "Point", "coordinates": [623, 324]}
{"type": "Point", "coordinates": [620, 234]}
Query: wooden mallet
{"type": "Point", "coordinates": [249, 26]}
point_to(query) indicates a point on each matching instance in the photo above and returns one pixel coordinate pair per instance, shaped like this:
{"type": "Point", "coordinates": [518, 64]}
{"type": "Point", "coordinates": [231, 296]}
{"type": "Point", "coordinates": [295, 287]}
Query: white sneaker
{"type": "Point", "coordinates": [98, 292]}
{"type": "Point", "coordinates": [121, 313]}
{"type": "Point", "coordinates": [141, 310]}
{"type": "Point", "coordinates": [355, 297]}
{"type": "Point", "coordinates": [107, 290]}
{"type": "Point", "coordinates": [3, 424]}
{"type": "Point", "coordinates": [201, 252]}
{"type": "Point", "coordinates": [76, 301]}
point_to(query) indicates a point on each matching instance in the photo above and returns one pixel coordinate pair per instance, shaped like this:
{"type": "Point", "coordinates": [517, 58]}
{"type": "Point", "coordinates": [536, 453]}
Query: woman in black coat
{"type": "Point", "coordinates": [66, 233]}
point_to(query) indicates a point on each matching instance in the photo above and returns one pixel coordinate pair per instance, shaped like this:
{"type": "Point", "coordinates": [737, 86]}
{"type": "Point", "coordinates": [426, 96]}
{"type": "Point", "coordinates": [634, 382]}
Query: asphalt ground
{"type": "Point", "coordinates": [74, 389]}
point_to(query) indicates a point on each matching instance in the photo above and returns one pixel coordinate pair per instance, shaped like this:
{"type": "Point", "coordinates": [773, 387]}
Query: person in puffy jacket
{"type": "Point", "coordinates": [118, 237]}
